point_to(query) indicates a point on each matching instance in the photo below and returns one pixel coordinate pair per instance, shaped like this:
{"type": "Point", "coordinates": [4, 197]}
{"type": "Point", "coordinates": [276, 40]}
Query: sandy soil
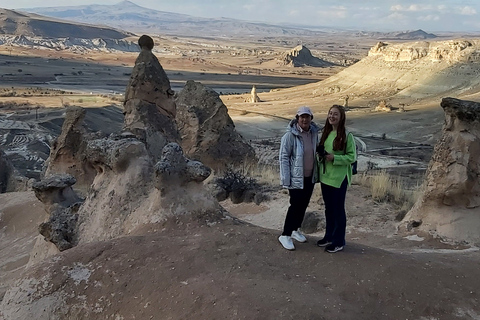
{"type": "Point", "coordinates": [227, 269]}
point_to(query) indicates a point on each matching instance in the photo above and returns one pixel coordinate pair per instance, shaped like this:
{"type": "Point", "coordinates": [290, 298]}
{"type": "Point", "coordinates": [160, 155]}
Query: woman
{"type": "Point", "coordinates": [335, 175]}
{"type": "Point", "coordinates": [297, 172]}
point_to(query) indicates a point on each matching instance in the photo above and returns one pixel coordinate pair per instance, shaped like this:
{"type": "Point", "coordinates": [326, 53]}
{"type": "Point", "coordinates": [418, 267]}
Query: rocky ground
{"type": "Point", "coordinates": [237, 270]}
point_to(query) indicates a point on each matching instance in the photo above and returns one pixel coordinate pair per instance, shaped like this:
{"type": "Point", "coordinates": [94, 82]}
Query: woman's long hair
{"type": "Point", "coordinates": [341, 139]}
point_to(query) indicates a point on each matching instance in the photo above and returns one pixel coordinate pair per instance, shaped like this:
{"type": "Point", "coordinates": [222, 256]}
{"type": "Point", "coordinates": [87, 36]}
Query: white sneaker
{"type": "Point", "coordinates": [297, 235]}
{"type": "Point", "coordinates": [286, 242]}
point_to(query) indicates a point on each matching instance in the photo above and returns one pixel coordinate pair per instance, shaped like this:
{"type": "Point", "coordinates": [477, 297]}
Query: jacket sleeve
{"type": "Point", "coordinates": [286, 150]}
{"type": "Point", "coordinates": [350, 155]}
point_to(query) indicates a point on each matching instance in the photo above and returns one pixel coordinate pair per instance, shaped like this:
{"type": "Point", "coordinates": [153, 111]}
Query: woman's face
{"type": "Point", "coordinates": [334, 117]}
{"type": "Point", "coordinates": [304, 121]}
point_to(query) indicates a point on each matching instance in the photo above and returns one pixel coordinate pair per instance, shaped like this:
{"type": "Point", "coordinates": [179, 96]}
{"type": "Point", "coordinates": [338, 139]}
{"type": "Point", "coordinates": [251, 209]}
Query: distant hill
{"type": "Point", "coordinates": [127, 15]}
{"type": "Point", "coordinates": [411, 35]}
{"type": "Point", "coordinates": [33, 25]}
{"type": "Point", "coordinates": [404, 35]}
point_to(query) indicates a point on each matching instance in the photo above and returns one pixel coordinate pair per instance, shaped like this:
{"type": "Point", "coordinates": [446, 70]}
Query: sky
{"type": "Point", "coordinates": [369, 15]}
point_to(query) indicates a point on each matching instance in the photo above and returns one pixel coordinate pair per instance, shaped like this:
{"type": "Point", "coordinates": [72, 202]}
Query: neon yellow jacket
{"type": "Point", "coordinates": [341, 166]}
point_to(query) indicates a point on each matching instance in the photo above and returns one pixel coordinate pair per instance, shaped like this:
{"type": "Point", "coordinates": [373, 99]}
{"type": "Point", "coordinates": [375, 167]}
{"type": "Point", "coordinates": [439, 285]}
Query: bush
{"type": "Point", "coordinates": [234, 181]}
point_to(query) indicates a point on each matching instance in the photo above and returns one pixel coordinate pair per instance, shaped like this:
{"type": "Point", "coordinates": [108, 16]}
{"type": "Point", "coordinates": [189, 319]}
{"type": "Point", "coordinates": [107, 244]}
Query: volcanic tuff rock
{"type": "Point", "coordinates": [301, 56]}
{"type": "Point", "coordinates": [8, 182]}
{"type": "Point", "coordinates": [134, 178]}
{"type": "Point", "coordinates": [61, 204]}
{"type": "Point", "coordinates": [67, 153]}
{"type": "Point", "coordinates": [76, 45]}
{"type": "Point", "coordinates": [208, 133]}
{"type": "Point", "coordinates": [449, 51]}
{"type": "Point", "coordinates": [254, 96]}
{"type": "Point", "coordinates": [449, 207]}
{"type": "Point", "coordinates": [149, 102]}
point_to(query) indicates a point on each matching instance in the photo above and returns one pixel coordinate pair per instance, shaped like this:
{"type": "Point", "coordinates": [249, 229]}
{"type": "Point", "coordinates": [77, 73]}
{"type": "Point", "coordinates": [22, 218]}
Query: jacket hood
{"type": "Point", "coordinates": [293, 128]}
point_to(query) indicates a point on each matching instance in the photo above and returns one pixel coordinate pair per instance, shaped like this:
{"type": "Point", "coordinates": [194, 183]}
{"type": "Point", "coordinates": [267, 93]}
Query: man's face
{"type": "Point", "coordinates": [304, 121]}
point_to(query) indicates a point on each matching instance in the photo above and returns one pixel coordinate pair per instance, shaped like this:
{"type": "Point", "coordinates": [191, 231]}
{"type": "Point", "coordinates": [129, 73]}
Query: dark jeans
{"type": "Point", "coordinates": [335, 217]}
{"type": "Point", "coordinates": [299, 200]}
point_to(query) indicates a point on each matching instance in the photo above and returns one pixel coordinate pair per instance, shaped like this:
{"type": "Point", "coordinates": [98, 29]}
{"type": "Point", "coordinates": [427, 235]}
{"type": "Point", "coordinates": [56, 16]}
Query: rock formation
{"type": "Point", "coordinates": [67, 153]}
{"type": "Point", "coordinates": [449, 51]}
{"type": "Point", "coordinates": [253, 95]}
{"type": "Point", "coordinates": [61, 203]}
{"type": "Point", "coordinates": [208, 133]}
{"type": "Point", "coordinates": [141, 175]}
{"type": "Point", "coordinates": [301, 56]}
{"type": "Point", "coordinates": [450, 205]}
{"type": "Point", "coordinates": [383, 106]}
{"type": "Point", "coordinates": [7, 177]}
{"type": "Point", "coordinates": [149, 101]}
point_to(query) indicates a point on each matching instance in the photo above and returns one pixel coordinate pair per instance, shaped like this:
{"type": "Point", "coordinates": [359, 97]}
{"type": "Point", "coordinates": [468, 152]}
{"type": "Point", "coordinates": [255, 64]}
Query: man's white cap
{"type": "Point", "coordinates": [304, 110]}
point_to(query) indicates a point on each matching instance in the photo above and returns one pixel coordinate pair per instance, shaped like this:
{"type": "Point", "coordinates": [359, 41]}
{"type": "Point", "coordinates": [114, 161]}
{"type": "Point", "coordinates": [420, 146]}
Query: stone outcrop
{"type": "Point", "coordinates": [450, 205]}
{"type": "Point", "coordinates": [253, 95]}
{"type": "Point", "coordinates": [301, 56]}
{"type": "Point", "coordinates": [75, 45]}
{"type": "Point", "coordinates": [7, 174]}
{"type": "Point", "coordinates": [149, 101]}
{"type": "Point", "coordinates": [67, 153]}
{"type": "Point", "coordinates": [141, 176]}
{"type": "Point", "coordinates": [61, 203]}
{"type": "Point", "coordinates": [207, 131]}
{"type": "Point", "coordinates": [383, 106]}
{"type": "Point", "coordinates": [449, 51]}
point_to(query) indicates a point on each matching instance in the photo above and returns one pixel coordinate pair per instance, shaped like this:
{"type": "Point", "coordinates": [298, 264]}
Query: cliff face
{"type": "Point", "coordinates": [450, 51]}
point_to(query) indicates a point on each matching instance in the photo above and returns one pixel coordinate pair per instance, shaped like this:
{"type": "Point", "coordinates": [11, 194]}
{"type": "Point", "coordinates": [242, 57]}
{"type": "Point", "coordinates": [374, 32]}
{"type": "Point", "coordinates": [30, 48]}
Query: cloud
{"type": "Point", "coordinates": [333, 12]}
{"type": "Point", "coordinates": [466, 11]}
{"type": "Point", "coordinates": [411, 8]}
{"type": "Point", "coordinates": [430, 17]}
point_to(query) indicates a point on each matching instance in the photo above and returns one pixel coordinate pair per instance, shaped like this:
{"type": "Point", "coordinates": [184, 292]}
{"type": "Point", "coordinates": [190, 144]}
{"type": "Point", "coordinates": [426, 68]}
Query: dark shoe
{"type": "Point", "coordinates": [332, 249]}
{"type": "Point", "coordinates": [323, 243]}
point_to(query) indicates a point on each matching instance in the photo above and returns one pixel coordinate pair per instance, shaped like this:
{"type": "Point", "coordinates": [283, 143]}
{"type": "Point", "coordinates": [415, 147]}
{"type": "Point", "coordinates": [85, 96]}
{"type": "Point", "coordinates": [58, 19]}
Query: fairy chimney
{"type": "Point", "coordinates": [254, 97]}
{"type": "Point", "coordinates": [149, 107]}
{"type": "Point", "coordinates": [450, 205]}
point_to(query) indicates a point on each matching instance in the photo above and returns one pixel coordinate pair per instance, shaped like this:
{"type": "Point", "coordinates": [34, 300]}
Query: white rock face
{"type": "Point", "coordinates": [76, 45]}
{"type": "Point", "coordinates": [450, 51]}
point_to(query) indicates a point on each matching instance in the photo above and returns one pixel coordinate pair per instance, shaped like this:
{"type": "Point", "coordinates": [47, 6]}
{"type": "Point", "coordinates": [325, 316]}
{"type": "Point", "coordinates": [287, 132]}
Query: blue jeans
{"type": "Point", "coordinates": [335, 216]}
{"type": "Point", "coordinates": [299, 200]}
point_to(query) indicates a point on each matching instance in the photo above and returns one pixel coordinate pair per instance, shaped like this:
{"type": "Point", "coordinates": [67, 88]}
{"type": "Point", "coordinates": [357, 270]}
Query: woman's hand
{"type": "Point", "coordinates": [329, 157]}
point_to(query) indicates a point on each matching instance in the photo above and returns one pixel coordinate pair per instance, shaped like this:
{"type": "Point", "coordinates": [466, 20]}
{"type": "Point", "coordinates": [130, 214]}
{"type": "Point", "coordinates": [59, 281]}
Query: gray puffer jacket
{"type": "Point", "coordinates": [291, 156]}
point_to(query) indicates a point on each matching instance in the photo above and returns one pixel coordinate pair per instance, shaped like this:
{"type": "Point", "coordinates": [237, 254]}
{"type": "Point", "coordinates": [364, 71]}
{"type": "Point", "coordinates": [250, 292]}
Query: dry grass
{"type": "Point", "coordinates": [386, 188]}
